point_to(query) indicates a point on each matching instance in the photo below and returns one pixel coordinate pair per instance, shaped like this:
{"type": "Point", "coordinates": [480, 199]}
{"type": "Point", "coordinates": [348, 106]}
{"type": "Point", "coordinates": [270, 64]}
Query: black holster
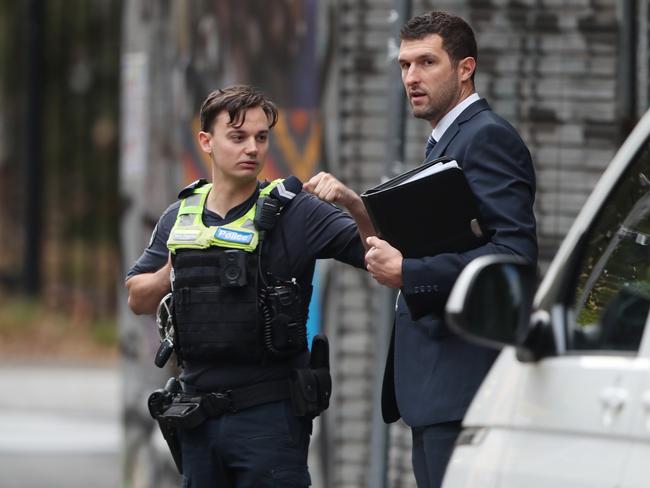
{"type": "Point", "coordinates": [159, 403]}
{"type": "Point", "coordinates": [311, 387]}
{"type": "Point", "coordinates": [175, 410]}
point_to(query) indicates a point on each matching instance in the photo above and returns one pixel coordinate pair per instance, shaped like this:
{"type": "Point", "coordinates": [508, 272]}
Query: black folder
{"type": "Point", "coordinates": [429, 215]}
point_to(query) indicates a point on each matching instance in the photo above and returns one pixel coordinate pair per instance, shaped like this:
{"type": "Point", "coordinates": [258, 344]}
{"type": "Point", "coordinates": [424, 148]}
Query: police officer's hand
{"type": "Point", "coordinates": [329, 189]}
{"type": "Point", "coordinates": [384, 262]}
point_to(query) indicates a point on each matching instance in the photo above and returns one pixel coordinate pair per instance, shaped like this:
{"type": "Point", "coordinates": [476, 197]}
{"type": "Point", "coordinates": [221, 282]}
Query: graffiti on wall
{"type": "Point", "coordinates": [270, 45]}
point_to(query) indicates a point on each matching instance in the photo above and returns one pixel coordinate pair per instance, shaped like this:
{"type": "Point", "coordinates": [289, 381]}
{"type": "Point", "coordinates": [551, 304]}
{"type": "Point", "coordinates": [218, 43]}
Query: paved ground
{"type": "Point", "coordinates": [59, 426]}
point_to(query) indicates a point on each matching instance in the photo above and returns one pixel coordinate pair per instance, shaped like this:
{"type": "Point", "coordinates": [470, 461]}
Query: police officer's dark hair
{"type": "Point", "coordinates": [458, 39]}
{"type": "Point", "coordinates": [235, 100]}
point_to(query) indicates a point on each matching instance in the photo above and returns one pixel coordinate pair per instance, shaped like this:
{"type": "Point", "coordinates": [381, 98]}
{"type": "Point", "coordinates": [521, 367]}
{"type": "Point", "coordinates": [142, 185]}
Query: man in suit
{"type": "Point", "coordinates": [432, 375]}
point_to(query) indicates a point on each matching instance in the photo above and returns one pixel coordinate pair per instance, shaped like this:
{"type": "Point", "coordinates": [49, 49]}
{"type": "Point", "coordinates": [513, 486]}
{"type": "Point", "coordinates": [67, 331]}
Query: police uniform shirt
{"type": "Point", "coordinates": [308, 229]}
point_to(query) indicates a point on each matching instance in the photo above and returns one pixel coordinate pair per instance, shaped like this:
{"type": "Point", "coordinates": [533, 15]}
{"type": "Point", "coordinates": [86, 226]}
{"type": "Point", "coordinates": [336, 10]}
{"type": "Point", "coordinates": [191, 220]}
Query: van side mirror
{"type": "Point", "coordinates": [490, 303]}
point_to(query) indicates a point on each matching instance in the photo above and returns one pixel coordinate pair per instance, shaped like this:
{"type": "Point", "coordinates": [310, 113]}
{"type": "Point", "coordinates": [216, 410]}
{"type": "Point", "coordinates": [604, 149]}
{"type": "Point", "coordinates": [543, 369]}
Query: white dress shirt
{"type": "Point", "coordinates": [450, 116]}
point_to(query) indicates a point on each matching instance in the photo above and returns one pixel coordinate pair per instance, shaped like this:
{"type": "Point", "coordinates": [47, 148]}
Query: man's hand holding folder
{"type": "Point", "coordinates": [426, 211]}
{"type": "Point", "coordinates": [384, 262]}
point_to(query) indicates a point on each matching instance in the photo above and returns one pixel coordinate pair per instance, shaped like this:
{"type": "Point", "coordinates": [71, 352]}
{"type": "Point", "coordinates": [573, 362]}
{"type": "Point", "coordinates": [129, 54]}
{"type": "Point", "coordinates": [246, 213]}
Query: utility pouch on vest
{"type": "Point", "coordinates": [310, 391]}
{"type": "Point", "coordinates": [311, 387]}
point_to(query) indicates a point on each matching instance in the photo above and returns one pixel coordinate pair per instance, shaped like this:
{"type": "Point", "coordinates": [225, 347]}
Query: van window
{"type": "Point", "coordinates": [613, 290]}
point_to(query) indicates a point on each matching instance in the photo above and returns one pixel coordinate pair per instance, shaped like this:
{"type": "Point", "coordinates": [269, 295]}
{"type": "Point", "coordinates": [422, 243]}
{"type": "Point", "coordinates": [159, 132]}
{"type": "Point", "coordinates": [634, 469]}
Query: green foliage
{"type": "Point", "coordinates": [25, 322]}
{"type": "Point", "coordinates": [19, 316]}
{"type": "Point", "coordinates": [588, 315]}
{"type": "Point", "coordinates": [79, 140]}
{"type": "Point", "coordinates": [104, 332]}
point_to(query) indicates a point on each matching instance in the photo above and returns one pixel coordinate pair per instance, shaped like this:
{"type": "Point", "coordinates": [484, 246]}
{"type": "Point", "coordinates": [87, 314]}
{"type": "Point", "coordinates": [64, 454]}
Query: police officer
{"type": "Point", "coordinates": [238, 257]}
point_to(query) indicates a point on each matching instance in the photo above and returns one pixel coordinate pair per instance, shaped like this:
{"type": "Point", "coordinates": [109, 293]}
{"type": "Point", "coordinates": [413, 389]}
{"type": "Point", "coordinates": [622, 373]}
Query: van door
{"type": "Point", "coordinates": [573, 418]}
{"type": "Point", "coordinates": [576, 417]}
{"type": "Point", "coordinates": [574, 421]}
{"type": "Point", "coordinates": [571, 427]}
{"type": "Point", "coordinates": [635, 474]}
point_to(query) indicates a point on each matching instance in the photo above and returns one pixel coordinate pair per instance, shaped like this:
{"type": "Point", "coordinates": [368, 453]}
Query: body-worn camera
{"type": "Point", "coordinates": [232, 264]}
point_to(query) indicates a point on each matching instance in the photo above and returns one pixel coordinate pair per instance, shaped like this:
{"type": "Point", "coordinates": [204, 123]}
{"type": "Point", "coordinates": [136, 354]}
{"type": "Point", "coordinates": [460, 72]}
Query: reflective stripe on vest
{"type": "Point", "coordinates": [189, 231]}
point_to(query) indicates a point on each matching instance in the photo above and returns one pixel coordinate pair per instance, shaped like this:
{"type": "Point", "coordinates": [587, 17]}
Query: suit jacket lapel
{"type": "Point", "coordinates": [441, 146]}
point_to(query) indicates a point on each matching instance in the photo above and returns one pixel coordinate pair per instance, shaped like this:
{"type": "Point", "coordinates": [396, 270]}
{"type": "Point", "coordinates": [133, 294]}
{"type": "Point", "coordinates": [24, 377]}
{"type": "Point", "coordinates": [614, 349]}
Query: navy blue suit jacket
{"type": "Point", "coordinates": [431, 374]}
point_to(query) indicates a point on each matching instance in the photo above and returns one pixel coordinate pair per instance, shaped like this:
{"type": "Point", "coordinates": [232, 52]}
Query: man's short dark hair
{"type": "Point", "coordinates": [235, 100]}
{"type": "Point", "coordinates": [458, 39]}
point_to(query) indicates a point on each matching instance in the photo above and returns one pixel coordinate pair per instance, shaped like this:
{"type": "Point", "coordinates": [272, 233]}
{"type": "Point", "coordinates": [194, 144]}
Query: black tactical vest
{"type": "Point", "coordinates": [215, 322]}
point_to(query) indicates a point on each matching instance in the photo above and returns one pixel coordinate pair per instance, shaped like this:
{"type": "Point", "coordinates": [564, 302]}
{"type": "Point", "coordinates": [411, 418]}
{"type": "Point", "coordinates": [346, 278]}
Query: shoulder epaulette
{"type": "Point", "coordinates": [189, 189]}
{"type": "Point", "coordinates": [287, 189]}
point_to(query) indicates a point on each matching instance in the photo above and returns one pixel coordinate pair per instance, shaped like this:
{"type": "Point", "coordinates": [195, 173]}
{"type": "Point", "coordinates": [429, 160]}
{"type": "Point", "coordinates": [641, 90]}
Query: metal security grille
{"type": "Point", "coordinates": [643, 56]}
{"type": "Point", "coordinates": [558, 86]}
{"type": "Point", "coordinates": [358, 109]}
{"type": "Point", "coordinates": [361, 67]}
{"type": "Point", "coordinates": [552, 69]}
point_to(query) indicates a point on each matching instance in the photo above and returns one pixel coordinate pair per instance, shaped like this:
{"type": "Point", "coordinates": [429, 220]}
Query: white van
{"type": "Point", "coordinates": [567, 404]}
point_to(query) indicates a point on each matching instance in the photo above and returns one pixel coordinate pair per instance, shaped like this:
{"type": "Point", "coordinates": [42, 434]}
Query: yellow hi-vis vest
{"type": "Point", "coordinates": [189, 231]}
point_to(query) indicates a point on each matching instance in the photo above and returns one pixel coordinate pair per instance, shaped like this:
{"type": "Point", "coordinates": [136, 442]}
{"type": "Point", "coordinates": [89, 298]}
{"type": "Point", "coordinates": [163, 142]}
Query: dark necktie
{"type": "Point", "coordinates": [431, 142]}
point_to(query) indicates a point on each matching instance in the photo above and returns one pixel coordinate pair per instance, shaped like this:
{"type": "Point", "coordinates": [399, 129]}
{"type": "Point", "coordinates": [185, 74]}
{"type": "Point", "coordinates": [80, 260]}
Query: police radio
{"type": "Point", "coordinates": [284, 317]}
{"type": "Point", "coordinates": [266, 214]}
{"type": "Point", "coordinates": [281, 303]}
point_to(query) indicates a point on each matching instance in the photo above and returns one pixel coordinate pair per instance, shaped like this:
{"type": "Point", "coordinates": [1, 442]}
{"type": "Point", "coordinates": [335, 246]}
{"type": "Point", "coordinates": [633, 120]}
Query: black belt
{"type": "Point", "coordinates": [215, 404]}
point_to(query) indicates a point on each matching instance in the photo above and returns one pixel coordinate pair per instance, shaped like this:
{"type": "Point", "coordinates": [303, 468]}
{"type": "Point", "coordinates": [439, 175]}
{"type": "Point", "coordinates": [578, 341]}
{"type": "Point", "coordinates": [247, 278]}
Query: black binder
{"type": "Point", "coordinates": [427, 216]}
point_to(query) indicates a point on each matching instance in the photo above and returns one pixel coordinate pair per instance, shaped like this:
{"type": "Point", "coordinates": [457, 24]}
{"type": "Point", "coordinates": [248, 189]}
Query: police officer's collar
{"type": "Point", "coordinates": [238, 210]}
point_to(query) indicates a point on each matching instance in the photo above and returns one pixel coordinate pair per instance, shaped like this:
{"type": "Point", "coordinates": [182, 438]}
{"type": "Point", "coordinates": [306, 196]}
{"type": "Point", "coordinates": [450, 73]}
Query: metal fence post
{"type": "Point", "coordinates": [396, 113]}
